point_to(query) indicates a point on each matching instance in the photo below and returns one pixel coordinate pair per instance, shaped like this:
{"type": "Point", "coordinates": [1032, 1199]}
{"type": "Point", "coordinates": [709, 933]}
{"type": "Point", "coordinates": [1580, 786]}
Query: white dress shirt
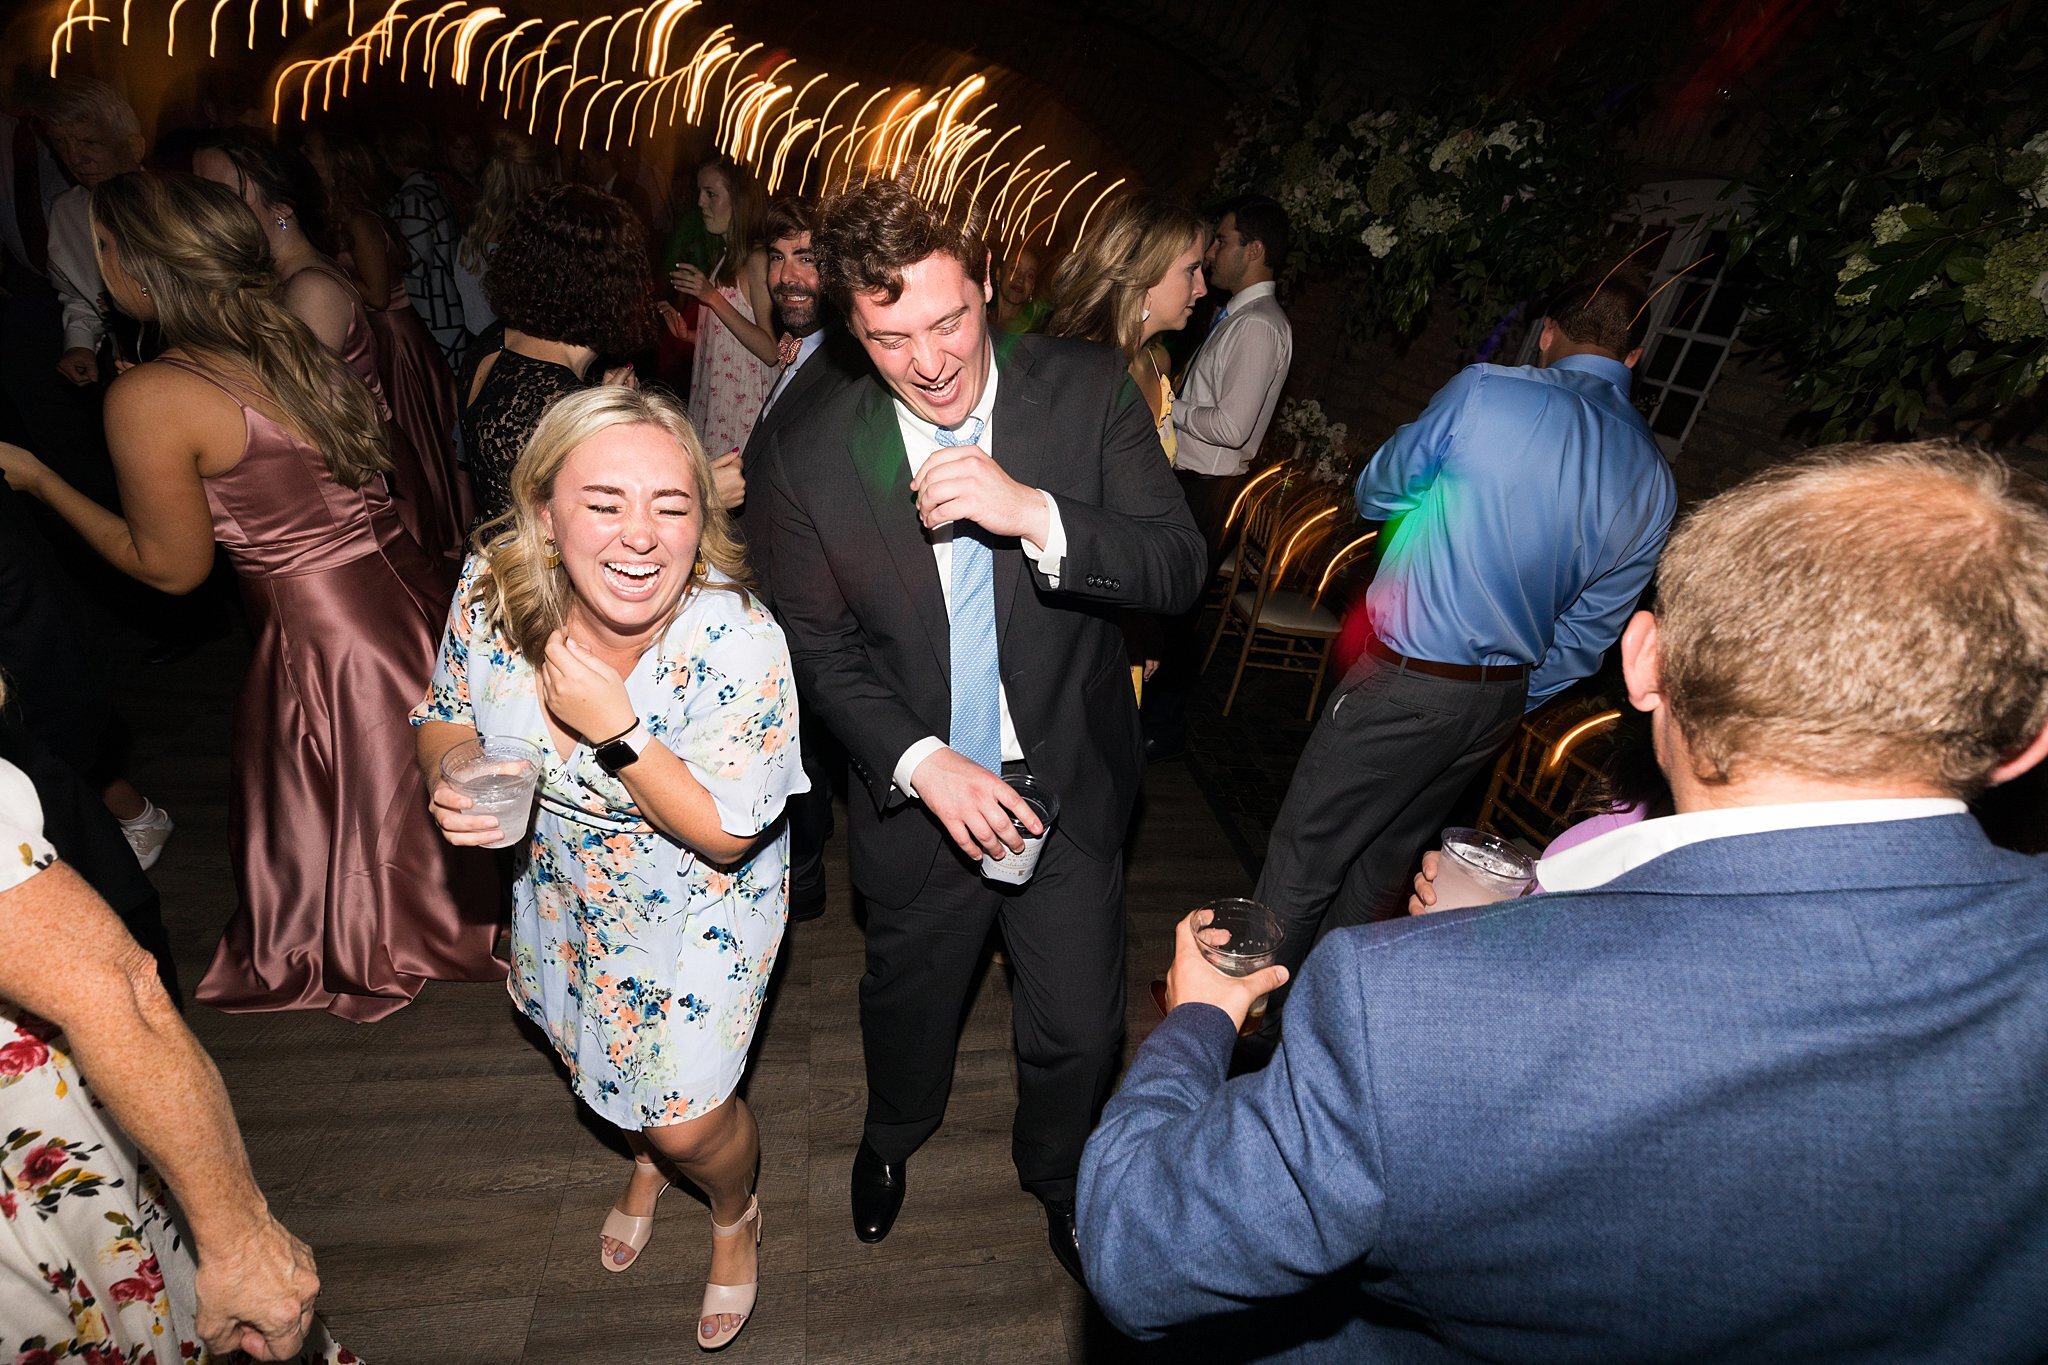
{"type": "Point", "coordinates": [74, 270]}
{"type": "Point", "coordinates": [1599, 861]}
{"type": "Point", "coordinates": [920, 443]}
{"type": "Point", "coordinates": [1227, 400]}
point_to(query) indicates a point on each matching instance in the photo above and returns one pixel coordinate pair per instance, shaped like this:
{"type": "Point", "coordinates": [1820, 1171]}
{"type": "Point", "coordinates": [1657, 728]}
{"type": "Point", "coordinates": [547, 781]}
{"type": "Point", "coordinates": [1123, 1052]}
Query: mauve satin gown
{"type": "Point", "coordinates": [350, 898]}
{"type": "Point", "coordinates": [417, 394]}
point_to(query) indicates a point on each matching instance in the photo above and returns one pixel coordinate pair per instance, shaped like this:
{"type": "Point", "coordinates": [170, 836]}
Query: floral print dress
{"type": "Point", "coordinates": [728, 383]}
{"type": "Point", "coordinates": [645, 965]}
{"type": "Point", "coordinates": [94, 1266]}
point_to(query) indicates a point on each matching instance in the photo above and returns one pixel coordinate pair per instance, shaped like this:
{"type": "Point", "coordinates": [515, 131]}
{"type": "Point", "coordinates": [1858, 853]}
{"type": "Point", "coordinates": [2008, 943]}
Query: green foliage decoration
{"type": "Point", "coordinates": [1474, 202]}
{"type": "Point", "coordinates": [1896, 248]}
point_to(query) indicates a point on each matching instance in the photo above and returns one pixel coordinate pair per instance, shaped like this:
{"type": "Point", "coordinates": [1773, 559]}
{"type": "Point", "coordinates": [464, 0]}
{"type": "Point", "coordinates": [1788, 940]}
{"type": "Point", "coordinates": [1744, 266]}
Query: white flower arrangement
{"type": "Point", "coordinates": [1319, 443]}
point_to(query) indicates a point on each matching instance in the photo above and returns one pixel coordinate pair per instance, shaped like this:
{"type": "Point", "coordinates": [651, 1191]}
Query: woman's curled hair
{"type": "Point", "coordinates": [203, 258]}
{"type": "Point", "coordinates": [572, 267]}
{"type": "Point", "coordinates": [524, 597]}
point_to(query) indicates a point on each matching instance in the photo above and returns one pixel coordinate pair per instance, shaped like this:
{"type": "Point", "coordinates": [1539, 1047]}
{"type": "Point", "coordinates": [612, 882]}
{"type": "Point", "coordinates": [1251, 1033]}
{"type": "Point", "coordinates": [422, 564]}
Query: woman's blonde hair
{"type": "Point", "coordinates": [200, 255]}
{"type": "Point", "coordinates": [1098, 292]}
{"type": "Point", "coordinates": [518, 166]}
{"type": "Point", "coordinates": [525, 597]}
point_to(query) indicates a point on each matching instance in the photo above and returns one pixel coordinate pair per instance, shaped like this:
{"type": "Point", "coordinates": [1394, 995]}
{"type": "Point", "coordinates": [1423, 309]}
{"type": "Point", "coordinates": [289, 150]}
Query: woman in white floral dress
{"type": "Point", "coordinates": [607, 622]}
{"type": "Point", "coordinates": [97, 1264]}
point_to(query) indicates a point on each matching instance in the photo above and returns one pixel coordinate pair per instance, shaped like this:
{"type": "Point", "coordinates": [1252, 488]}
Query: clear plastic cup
{"type": "Point", "coordinates": [500, 775]}
{"type": "Point", "coordinates": [1245, 936]}
{"type": "Point", "coordinates": [1016, 868]}
{"type": "Point", "coordinates": [1479, 869]}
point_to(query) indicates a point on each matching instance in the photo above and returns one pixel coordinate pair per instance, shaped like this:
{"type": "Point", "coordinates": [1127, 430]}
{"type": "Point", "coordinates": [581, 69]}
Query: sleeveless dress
{"type": "Point", "coordinates": [419, 389]}
{"type": "Point", "coordinates": [645, 965]}
{"type": "Point", "coordinates": [728, 383]}
{"type": "Point", "coordinates": [516, 394]}
{"type": "Point", "coordinates": [94, 1265]}
{"type": "Point", "coordinates": [350, 898]}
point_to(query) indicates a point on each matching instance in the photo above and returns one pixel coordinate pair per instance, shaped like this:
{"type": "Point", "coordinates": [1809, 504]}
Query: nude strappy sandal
{"type": "Point", "coordinates": [734, 1300]}
{"type": "Point", "coordinates": [634, 1232]}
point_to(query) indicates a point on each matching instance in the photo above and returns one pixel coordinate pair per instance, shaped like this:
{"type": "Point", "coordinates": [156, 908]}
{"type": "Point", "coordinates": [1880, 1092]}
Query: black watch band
{"type": "Point", "coordinates": [620, 751]}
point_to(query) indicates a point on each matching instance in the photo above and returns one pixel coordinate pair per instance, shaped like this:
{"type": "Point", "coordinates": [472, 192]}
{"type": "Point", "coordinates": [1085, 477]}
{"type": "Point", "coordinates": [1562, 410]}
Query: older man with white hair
{"type": "Point", "coordinates": [1757, 1081]}
{"type": "Point", "coordinates": [96, 135]}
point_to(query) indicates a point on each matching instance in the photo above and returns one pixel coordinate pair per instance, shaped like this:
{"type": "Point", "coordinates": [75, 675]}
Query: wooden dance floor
{"type": "Point", "coordinates": [452, 1189]}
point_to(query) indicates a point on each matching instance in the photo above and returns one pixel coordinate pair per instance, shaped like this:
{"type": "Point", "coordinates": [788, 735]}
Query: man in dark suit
{"type": "Point", "coordinates": [1758, 1081]}
{"type": "Point", "coordinates": [819, 359]}
{"type": "Point", "coordinates": [954, 542]}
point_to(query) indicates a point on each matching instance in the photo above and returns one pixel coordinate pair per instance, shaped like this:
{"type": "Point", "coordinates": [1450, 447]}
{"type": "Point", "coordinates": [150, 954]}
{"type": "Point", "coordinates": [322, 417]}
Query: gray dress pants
{"type": "Point", "coordinates": [1387, 759]}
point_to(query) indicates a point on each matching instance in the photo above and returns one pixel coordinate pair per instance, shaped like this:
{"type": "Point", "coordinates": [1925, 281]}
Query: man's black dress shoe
{"type": "Point", "coordinates": [877, 1194]}
{"type": "Point", "coordinates": [1066, 1246]}
{"type": "Point", "coordinates": [1165, 750]}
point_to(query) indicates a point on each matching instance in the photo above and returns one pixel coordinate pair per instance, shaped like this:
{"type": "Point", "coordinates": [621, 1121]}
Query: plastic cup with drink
{"type": "Point", "coordinates": [1477, 868]}
{"type": "Point", "coordinates": [1016, 868]}
{"type": "Point", "coordinates": [1241, 936]}
{"type": "Point", "coordinates": [499, 775]}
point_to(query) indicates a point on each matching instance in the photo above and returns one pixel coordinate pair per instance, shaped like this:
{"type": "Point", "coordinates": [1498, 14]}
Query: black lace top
{"type": "Point", "coordinates": [495, 427]}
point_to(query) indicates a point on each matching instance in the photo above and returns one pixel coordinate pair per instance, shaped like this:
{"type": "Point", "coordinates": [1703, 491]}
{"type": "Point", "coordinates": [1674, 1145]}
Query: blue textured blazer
{"type": "Point", "coordinates": [1776, 1097]}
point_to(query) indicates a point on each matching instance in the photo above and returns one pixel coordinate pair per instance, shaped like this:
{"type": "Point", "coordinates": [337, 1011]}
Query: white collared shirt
{"type": "Point", "coordinates": [1599, 861]}
{"type": "Point", "coordinates": [920, 443]}
{"type": "Point", "coordinates": [1227, 400]}
{"type": "Point", "coordinates": [75, 271]}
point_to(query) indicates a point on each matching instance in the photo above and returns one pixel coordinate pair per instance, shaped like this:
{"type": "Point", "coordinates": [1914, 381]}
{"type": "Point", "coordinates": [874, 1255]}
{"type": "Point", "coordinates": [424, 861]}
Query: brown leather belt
{"type": "Point", "coordinates": [1461, 672]}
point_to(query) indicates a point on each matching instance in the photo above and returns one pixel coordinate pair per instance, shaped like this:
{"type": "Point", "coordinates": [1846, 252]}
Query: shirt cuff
{"type": "Point", "coordinates": [914, 755]}
{"type": "Point", "coordinates": [1052, 557]}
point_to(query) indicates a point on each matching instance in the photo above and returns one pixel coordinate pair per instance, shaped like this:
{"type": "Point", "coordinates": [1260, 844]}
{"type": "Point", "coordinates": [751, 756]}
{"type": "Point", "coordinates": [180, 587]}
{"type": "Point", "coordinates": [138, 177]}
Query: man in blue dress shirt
{"type": "Point", "coordinates": [1759, 1081]}
{"type": "Point", "coordinates": [1525, 508]}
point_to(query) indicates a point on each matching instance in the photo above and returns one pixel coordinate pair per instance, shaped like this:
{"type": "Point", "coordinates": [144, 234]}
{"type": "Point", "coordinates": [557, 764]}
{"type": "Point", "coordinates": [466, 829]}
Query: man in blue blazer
{"type": "Point", "coordinates": [1759, 1081]}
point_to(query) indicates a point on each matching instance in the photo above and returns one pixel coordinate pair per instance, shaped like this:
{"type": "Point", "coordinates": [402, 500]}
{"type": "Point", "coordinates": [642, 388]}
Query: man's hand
{"type": "Point", "coordinates": [1192, 981]}
{"type": "Point", "coordinates": [622, 376]}
{"type": "Point", "coordinates": [256, 1295]}
{"type": "Point", "coordinates": [678, 326]}
{"type": "Point", "coordinates": [79, 366]}
{"type": "Point", "coordinates": [961, 483]}
{"type": "Point", "coordinates": [728, 483]}
{"type": "Point", "coordinates": [1423, 902]}
{"type": "Point", "coordinates": [979, 809]}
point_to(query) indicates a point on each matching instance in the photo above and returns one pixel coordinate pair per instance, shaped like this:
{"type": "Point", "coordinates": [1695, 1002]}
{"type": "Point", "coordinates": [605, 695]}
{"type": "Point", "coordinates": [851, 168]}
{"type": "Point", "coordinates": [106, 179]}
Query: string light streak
{"type": "Point", "coordinates": [666, 16]}
{"type": "Point", "coordinates": [500, 51]}
{"type": "Point", "coordinates": [779, 166]}
{"type": "Point", "coordinates": [1081, 233]}
{"type": "Point", "coordinates": [538, 54]}
{"type": "Point", "coordinates": [1055, 232]}
{"type": "Point", "coordinates": [583, 136]}
{"type": "Point", "coordinates": [645, 75]}
{"type": "Point", "coordinates": [61, 39]}
{"type": "Point", "coordinates": [617, 24]}
{"type": "Point", "coordinates": [852, 136]}
{"type": "Point", "coordinates": [1021, 206]}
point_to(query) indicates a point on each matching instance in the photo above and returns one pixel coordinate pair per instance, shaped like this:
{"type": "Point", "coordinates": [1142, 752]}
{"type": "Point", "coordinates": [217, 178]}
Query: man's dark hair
{"type": "Point", "coordinates": [1605, 310]}
{"type": "Point", "coordinates": [789, 216]}
{"type": "Point", "coordinates": [572, 267]}
{"type": "Point", "coordinates": [1261, 220]}
{"type": "Point", "coordinates": [866, 238]}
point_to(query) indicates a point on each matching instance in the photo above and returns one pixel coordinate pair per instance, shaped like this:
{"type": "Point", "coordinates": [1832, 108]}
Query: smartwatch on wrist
{"type": "Point", "coordinates": [621, 751]}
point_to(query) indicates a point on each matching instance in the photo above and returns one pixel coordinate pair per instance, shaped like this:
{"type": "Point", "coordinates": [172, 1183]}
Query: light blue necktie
{"type": "Point", "coordinates": [977, 731]}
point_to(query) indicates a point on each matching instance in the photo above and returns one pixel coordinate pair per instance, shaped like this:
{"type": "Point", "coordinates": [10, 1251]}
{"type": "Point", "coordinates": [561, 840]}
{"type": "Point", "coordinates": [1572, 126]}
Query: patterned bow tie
{"type": "Point", "coordinates": [787, 348]}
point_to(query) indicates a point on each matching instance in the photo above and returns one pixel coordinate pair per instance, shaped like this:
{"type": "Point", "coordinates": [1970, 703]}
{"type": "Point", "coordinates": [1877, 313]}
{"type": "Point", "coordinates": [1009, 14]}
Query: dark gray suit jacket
{"type": "Point", "coordinates": [859, 597]}
{"type": "Point", "coordinates": [837, 362]}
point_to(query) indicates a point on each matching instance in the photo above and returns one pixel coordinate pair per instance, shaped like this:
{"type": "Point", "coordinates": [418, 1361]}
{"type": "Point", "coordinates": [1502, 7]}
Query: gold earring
{"type": "Point", "coordinates": [703, 569]}
{"type": "Point", "coordinates": [553, 557]}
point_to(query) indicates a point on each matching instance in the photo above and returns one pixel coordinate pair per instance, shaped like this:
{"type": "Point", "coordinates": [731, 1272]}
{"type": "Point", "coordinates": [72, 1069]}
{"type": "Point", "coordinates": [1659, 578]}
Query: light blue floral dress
{"type": "Point", "coordinates": [645, 965]}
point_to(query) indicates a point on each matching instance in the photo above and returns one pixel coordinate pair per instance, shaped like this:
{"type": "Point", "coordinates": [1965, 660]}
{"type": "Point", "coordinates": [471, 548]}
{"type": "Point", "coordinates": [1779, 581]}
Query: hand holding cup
{"type": "Point", "coordinates": [1195, 979]}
